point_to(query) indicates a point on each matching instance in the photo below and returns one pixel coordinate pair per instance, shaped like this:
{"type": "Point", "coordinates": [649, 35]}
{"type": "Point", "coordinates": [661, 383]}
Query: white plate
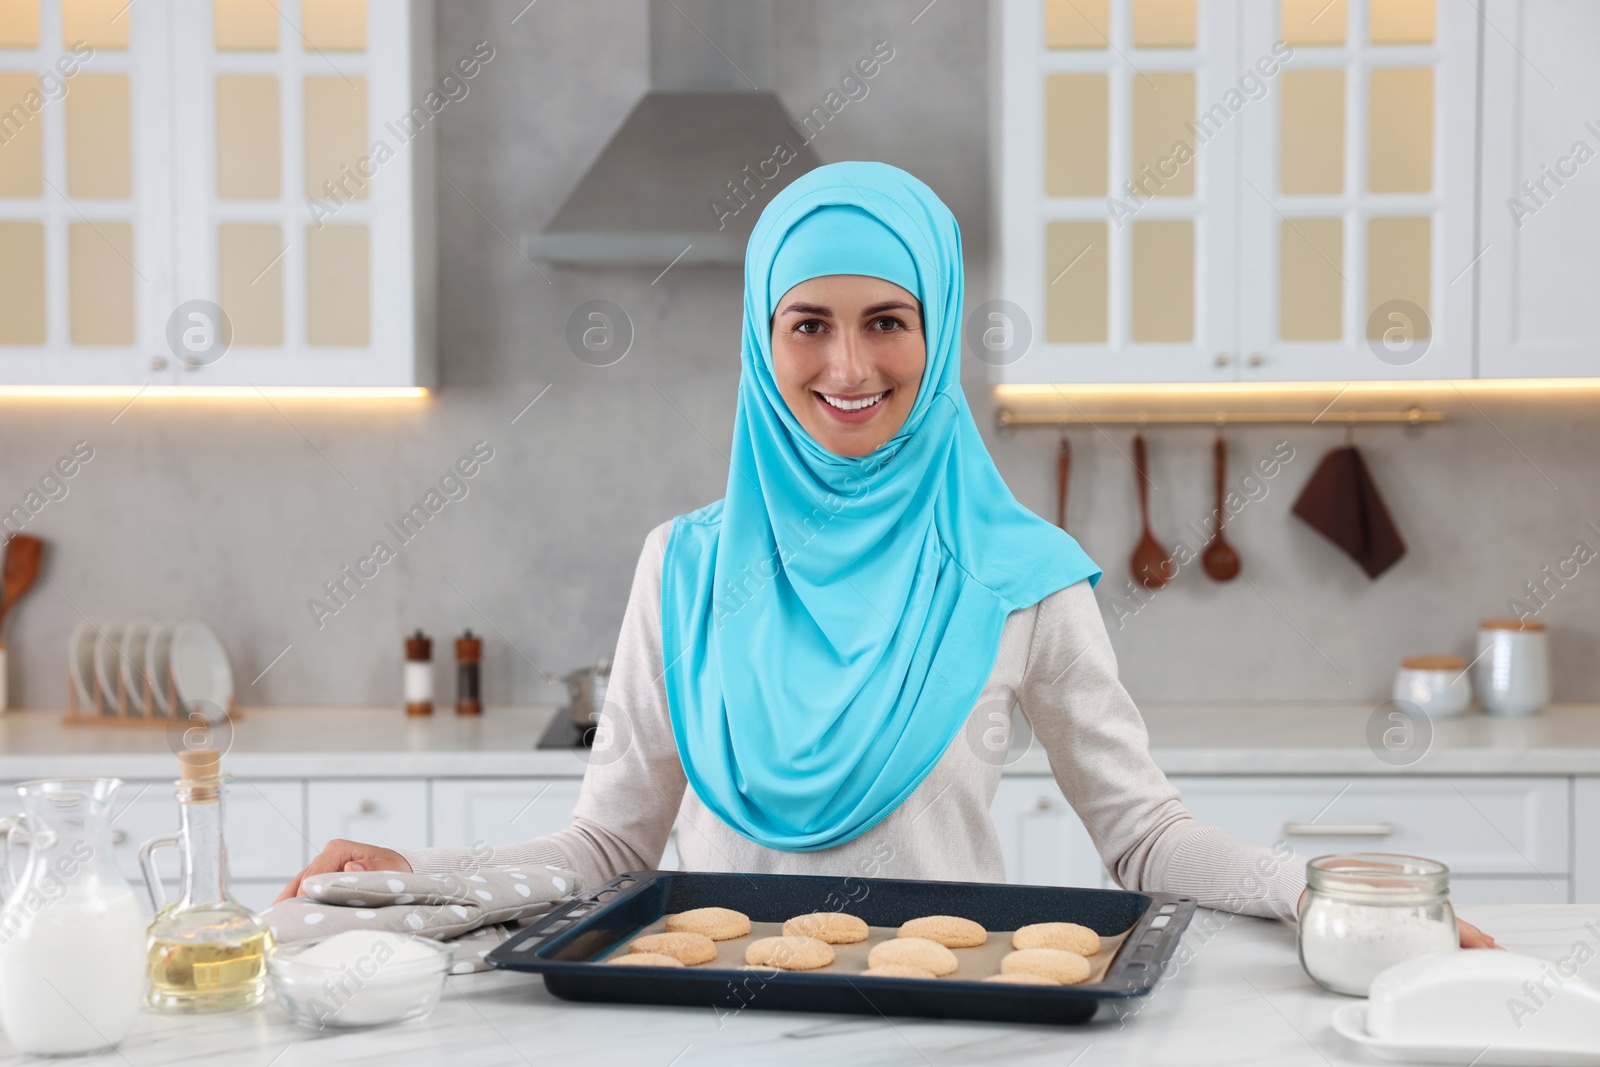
{"type": "Point", "coordinates": [1350, 1021]}
{"type": "Point", "coordinates": [156, 646]}
{"type": "Point", "coordinates": [105, 666]}
{"type": "Point", "coordinates": [131, 665]}
{"type": "Point", "coordinates": [200, 669]}
{"type": "Point", "coordinates": [80, 662]}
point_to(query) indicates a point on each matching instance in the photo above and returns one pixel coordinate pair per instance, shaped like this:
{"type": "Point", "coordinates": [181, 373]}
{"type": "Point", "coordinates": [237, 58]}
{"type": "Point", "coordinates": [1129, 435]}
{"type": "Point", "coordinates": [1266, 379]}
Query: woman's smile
{"type": "Point", "coordinates": [855, 409]}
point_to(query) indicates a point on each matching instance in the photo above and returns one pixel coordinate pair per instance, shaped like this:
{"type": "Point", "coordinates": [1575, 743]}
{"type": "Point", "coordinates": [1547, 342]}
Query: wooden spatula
{"type": "Point", "coordinates": [21, 567]}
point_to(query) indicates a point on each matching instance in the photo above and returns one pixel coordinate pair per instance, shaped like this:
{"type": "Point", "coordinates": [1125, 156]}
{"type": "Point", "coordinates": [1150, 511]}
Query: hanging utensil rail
{"type": "Point", "coordinates": [1413, 416]}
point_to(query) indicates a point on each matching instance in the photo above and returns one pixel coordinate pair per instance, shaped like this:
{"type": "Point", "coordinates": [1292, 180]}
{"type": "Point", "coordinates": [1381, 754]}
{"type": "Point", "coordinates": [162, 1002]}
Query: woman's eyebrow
{"type": "Point", "coordinates": [817, 309]}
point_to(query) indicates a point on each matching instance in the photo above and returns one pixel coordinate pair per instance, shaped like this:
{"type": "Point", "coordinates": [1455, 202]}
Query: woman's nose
{"type": "Point", "coordinates": [848, 362]}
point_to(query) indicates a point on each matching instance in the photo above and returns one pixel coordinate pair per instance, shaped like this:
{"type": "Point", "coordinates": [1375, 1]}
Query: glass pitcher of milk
{"type": "Point", "coordinates": [72, 935]}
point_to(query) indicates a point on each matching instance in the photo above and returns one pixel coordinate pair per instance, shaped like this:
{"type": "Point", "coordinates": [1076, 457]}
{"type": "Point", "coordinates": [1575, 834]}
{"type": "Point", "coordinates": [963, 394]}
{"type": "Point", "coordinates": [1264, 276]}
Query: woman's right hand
{"type": "Point", "coordinates": [339, 855]}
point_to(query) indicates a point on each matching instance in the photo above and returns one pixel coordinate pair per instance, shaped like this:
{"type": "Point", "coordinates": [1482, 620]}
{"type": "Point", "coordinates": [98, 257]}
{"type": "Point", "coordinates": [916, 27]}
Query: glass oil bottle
{"type": "Point", "coordinates": [206, 951]}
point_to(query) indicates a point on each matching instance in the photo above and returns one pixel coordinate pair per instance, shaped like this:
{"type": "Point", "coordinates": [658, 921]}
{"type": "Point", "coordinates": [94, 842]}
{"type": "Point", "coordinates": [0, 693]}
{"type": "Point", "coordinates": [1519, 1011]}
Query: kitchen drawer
{"type": "Point", "coordinates": [1482, 826]}
{"type": "Point", "coordinates": [391, 812]}
{"type": "Point", "coordinates": [500, 811]}
{"type": "Point", "coordinates": [263, 827]}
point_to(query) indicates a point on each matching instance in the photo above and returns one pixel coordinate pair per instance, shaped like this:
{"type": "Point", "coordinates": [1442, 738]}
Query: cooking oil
{"type": "Point", "coordinates": [206, 951]}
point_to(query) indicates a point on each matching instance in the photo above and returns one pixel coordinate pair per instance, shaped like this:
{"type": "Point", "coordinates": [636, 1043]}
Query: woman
{"type": "Point", "coordinates": [808, 669]}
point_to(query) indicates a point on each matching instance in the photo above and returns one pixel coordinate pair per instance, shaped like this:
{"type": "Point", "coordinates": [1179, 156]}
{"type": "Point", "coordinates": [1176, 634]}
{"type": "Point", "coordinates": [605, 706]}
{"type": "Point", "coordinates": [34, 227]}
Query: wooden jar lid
{"type": "Point", "coordinates": [1531, 625]}
{"type": "Point", "coordinates": [1434, 663]}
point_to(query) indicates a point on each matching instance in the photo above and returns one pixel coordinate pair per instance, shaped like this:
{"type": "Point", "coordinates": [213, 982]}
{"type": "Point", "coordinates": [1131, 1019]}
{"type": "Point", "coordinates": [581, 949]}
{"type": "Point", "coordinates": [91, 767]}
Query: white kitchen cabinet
{"type": "Point", "coordinates": [1541, 190]}
{"type": "Point", "coordinates": [1550, 889]}
{"type": "Point", "coordinates": [392, 812]}
{"type": "Point", "coordinates": [1585, 840]}
{"type": "Point", "coordinates": [1476, 826]}
{"type": "Point", "coordinates": [273, 161]}
{"type": "Point", "coordinates": [500, 811]}
{"type": "Point", "coordinates": [1041, 838]}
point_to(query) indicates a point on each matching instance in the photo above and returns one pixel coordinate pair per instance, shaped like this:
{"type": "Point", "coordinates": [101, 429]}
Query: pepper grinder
{"type": "Point", "coordinates": [469, 653]}
{"type": "Point", "coordinates": [419, 674]}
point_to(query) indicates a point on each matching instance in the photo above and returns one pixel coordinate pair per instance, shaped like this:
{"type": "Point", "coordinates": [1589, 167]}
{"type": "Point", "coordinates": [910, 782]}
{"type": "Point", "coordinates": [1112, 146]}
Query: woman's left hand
{"type": "Point", "coordinates": [1471, 936]}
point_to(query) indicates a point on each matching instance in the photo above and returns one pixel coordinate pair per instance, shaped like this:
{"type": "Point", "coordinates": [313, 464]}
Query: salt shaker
{"type": "Point", "coordinates": [419, 674]}
{"type": "Point", "coordinates": [469, 651]}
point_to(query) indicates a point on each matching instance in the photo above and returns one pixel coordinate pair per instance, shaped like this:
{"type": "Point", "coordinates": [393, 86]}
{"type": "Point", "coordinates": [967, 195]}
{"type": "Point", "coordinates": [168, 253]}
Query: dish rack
{"type": "Point", "coordinates": [128, 674]}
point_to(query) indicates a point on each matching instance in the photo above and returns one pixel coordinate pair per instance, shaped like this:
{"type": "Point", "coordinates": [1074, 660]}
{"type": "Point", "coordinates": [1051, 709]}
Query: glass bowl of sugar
{"type": "Point", "coordinates": [1366, 911]}
{"type": "Point", "coordinates": [359, 978]}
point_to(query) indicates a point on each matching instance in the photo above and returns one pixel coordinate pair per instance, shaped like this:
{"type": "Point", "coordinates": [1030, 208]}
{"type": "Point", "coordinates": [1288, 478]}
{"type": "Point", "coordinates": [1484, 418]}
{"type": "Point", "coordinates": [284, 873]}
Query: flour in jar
{"type": "Point", "coordinates": [1345, 945]}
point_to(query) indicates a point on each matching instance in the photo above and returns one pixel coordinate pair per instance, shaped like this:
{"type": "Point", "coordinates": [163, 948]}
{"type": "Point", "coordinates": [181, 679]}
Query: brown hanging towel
{"type": "Point", "coordinates": [1341, 502]}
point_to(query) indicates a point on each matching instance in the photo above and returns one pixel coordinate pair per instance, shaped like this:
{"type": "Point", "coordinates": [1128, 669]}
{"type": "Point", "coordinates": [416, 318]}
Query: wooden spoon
{"type": "Point", "coordinates": [20, 568]}
{"type": "Point", "coordinates": [1151, 564]}
{"type": "Point", "coordinates": [1220, 561]}
{"type": "Point", "coordinates": [1063, 468]}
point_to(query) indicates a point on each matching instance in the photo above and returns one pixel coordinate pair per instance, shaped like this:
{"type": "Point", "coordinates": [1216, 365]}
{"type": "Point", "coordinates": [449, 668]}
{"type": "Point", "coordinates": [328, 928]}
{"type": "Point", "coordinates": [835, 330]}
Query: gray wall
{"type": "Point", "coordinates": [237, 511]}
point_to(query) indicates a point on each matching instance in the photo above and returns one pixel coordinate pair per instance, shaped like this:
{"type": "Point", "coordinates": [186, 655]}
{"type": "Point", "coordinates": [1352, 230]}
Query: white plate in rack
{"type": "Point", "coordinates": [131, 663]}
{"type": "Point", "coordinates": [200, 670]}
{"type": "Point", "coordinates": [156, 646]}
{"type": "Point", "coordinates": [105, 666]}
{"type": "Point", "coordinates": [80, 663]}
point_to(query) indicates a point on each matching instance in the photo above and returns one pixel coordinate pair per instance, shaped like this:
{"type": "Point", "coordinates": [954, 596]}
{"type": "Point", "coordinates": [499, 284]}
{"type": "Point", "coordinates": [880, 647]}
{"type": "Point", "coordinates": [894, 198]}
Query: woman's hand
{"type": "Point", "coordinates": [1471, 936]}
{"type": "Point", "coordinates": [340, 855]}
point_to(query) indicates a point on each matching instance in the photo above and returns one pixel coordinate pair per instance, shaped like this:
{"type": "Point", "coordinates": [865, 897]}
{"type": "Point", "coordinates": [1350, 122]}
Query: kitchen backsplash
{"type": "Point", "coordinates": [243, 511]}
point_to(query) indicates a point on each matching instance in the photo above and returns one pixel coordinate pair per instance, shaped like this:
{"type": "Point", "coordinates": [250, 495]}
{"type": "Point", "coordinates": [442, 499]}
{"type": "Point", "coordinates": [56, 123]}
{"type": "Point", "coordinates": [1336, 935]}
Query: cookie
{"type": "Point", "coordinates": [916, 951]}
{"type": "Point", "coordinates": [789, 953]}
{"type": "Point", "coordinates": [1068, 936]}
{"type": "Point", "coordinates": [1068, 968]}
{"type": "Point", "coordinates": [646, 959]}
{"type": "Point", "coordinates": [719, 924]}
{"type": "Point", "coordinates": [1022, 978]}
{"type": "Point", "coordinates": [951, 931]}
{"type": "Point", "coordinates": [897, 970]}
{"type": "Point", "coordinates": [682, 946]}
{"type": "Point", "coordinates": [834, 927]}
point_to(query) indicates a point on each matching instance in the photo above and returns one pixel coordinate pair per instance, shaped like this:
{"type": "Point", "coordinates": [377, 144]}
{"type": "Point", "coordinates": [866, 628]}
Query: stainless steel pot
{"type": "Point", "coordinates": [586, 693]}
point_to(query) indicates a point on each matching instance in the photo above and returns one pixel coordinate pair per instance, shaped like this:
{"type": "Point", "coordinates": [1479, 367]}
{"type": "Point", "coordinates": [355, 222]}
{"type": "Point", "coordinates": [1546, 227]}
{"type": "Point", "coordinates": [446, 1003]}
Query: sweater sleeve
{"type": "Point", "coordinates": [634, 782]}
{"type": "Point", "coordinates": [1099, 753]}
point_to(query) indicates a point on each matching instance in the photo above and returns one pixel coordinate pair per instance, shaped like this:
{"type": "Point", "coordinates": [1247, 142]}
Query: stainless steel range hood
{"type": "Point", "coordinates": [698, 157]}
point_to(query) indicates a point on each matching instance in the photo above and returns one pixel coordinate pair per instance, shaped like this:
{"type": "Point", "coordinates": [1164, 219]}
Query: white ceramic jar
{"type": "Point", "coordinates": [1436, 684]}
{"type": "Point", "coordinates": [1512, 672]}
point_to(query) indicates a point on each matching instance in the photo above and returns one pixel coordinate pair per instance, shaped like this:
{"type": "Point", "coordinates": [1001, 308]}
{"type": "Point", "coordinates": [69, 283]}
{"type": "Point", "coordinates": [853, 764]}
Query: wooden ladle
{"type": "Point", "coordinates": [1063, 468]}
{"type": "Point", "coordinates": [1220, 561]}
{"type": "Point", "coordinates": [18, 571]}
{"type": "Point", "coordinates": [1152, 566]}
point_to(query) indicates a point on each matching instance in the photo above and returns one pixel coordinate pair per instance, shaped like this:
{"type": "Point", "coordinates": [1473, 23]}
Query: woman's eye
{"type": "Point", "coordinates": [893, 322]}
{"type": "Point", "coordinates": [802, 326]}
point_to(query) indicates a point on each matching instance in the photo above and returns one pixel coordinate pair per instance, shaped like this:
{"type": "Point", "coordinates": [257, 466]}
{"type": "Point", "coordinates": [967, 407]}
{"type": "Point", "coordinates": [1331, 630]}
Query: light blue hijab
{"type": "Point", "coordinates": [828, 626]}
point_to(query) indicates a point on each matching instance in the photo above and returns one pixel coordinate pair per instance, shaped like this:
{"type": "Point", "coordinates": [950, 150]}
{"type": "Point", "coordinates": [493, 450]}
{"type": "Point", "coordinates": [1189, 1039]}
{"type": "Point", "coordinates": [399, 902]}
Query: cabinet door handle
{"type": "Point", "coordinates": [118, 837]}
{"type": "Point", "coordinates": [1044, 804]}
{"type": "Point", "coordinates": [368, 807]}
{"type": "Point", "coordinates": [1256, 359]}
{"type": "Point", "coordinates": [1223, 359]}
{"type": "Point", "coordinates": [1349, 829]}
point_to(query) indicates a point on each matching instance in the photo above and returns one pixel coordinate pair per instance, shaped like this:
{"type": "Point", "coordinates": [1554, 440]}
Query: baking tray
{"type": "Point", "coordinates": [565, 944]}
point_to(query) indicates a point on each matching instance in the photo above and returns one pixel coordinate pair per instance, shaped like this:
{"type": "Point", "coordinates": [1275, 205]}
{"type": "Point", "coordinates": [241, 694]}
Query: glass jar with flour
{"type": "Point", "coordinates": [1367, 911]}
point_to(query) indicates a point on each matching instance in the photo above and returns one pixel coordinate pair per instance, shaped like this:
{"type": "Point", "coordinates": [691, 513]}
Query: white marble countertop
{"type": "Point", "coordinates": [1238, 997]}
{"type": "Point", "coordinates": [1184, 739]}
{"type": "Point", "coordinates": [347, 742]}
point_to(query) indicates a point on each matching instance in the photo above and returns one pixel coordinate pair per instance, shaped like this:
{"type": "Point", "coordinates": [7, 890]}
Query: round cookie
{"type": "Point", "coordinates": [685, 947]}
{"type": "Point", "coordinates": [789, 953]}
{"type": "Point", "coordinates": [646, 959]}
{"type": "Point", "coordinates": [897, 970]}
{"type": "Point", "coordinates": [915, 951]}
{"type": "Point", "coordinates": [1067, 936]}
{"type": "Point", "coordinates": [1022, 978]}
{"type": "Point", "coordinates": [1068, 968]}
{"type": "Point", "coordinates": [719, 924]}
{"type": "Point", "coordinates": [951, 931]}
{"type": "Point", "coordinates": [834, 927]}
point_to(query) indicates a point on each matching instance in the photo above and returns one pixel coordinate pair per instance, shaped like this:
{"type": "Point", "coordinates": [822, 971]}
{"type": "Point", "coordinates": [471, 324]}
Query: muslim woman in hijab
{"type": "Point", "coordinates": [810, 669]}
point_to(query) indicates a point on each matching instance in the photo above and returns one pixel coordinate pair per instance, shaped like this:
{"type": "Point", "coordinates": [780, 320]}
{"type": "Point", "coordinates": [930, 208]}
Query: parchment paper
{"type": "Point", "coordinates": [972, 964]}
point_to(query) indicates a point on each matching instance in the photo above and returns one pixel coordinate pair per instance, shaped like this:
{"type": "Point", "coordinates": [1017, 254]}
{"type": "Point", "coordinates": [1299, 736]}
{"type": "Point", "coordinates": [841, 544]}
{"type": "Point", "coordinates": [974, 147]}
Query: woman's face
{"type": "Point", "coordinates": [848, 353]}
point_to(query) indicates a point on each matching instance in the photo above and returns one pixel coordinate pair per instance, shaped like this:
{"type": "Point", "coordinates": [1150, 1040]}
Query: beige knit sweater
{"type": "Point", "coordinates": [1055, 661]}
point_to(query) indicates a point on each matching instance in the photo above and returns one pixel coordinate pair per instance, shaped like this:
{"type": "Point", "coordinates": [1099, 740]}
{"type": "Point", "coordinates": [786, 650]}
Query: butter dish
{"type": "Point", "coordinates": [1482, 1007]}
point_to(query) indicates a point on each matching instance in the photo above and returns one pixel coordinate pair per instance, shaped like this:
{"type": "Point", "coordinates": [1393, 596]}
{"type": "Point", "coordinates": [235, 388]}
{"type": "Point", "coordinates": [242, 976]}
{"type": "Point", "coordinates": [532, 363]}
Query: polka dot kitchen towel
{"type": "Point", "coordinates": [476, 909]}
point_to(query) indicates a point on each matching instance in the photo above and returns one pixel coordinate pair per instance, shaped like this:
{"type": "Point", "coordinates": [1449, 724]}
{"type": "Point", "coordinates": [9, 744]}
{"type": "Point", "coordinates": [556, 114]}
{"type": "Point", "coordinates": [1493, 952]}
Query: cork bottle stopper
{"type": "Point", "coordinates": [200, 762]}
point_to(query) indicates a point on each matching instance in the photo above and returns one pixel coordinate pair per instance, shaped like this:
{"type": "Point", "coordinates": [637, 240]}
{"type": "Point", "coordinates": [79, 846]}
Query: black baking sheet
{"type": "Point", "coordinates": [565, 944]}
